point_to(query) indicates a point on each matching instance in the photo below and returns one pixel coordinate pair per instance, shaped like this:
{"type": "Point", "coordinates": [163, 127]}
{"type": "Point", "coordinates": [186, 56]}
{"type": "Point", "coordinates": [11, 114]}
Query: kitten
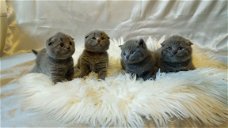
{"type": "Point", "coordinates": [175, 55]}
{"type": "Point", "coordinates": [56, 59]}
{"type": "Point", "coordinates": [137, 60]}
{"type": "Point", "coordinates": [94, 58]}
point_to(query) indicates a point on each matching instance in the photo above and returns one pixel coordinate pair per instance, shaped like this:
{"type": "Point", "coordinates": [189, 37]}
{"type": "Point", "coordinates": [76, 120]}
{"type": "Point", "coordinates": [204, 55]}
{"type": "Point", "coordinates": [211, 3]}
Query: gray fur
{"type": "Point", "coordinates": [94, 58]}
{"type": "Point", "coordinates": [137, 60]}
{"type": "Point", "coordinates": [175, 55]}
{"type": "Point", "coordinates": [56, 59]}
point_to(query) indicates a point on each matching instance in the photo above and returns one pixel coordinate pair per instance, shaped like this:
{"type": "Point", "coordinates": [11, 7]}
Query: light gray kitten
{"type": "Point", "coordinates": [175, 55]}
{"type": "Point", "coordinates": [94, 58]}
{"type": "Point", "coordinates": [137, 60]}
{"type": "Point", "coordinates": [56, 59]}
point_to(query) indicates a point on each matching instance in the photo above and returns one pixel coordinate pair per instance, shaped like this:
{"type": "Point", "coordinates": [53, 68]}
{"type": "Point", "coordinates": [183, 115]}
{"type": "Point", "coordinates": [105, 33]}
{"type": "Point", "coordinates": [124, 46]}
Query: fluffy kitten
{"type": "Point", "coordinates": [94, 58]}
{"type": "Point", "coordinates": [175, 55]}
{"type": "Point", "coordinates": [56, 59]}
{"type": "Point", "coordinates": [137, 60]}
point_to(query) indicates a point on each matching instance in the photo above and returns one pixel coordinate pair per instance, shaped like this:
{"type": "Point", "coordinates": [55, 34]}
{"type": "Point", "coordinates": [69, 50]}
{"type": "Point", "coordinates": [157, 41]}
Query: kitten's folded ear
{"type": "Point", "coordinates": [87, 35]}
{"type": "Point", "coordinates": [142, 43]}
{"type": "Point", "coordinates": [49, 42]}
{"type": "Point", "coordinates": [163, 44]}
{"type": "Point", "coordinates": [189, 43]}
{"type": "Point", "coordinates": [71, 38]}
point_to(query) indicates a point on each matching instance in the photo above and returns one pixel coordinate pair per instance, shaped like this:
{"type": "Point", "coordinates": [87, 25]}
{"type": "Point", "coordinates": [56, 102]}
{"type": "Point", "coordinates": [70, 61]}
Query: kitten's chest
{"type": "Point", "coordinates": [175, 67]}
{"type": "Point", "coordinates": [95, 61]}
{"type": "Point", "coordinates": [135, 69]}
{"type": "Point", "coordinates": [95, 58]}
{"type": "Point", "coordinates": [60, 66]}
{"type": "Point", "coordinates": [140, 68]}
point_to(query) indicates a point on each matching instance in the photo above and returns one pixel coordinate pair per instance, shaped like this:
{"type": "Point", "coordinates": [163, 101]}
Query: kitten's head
{"type": "Point", "coordinates": [176, 49]}
{"type": "Point", "coordinates": [134, 51]}
{"type": "Point", "coordinates": [97, 41]}
{"type": "Point", "coordinates": [60, 46]}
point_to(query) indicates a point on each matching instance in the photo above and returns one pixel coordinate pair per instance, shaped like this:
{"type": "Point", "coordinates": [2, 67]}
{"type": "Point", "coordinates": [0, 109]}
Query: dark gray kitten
{"type": "Point", "coordinates": [56, 59]}
{"type": "Point", "coordinates": [137, 60]}
{"type": "Point", "coordinates": [175, 55]}
{"type": "Point", "coordinates": [94, 58]}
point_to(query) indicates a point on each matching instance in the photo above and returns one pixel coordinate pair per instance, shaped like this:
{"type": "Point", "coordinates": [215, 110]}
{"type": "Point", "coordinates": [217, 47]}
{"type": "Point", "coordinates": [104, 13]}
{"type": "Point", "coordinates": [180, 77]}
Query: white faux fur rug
{"type": "Point", "coordinates": [198, 97]}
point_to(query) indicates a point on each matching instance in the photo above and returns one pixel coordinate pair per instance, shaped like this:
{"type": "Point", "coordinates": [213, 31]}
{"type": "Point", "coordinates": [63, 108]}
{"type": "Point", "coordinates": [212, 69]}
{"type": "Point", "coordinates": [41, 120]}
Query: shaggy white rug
{"type": "Point", "coordinates": [183, 99]}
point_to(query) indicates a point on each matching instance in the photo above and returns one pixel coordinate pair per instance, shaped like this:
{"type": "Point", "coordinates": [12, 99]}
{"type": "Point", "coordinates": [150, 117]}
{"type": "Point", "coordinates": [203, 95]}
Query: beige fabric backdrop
{"type": "Point", "coordinates": [30, 23]}
{"type": "Point", "coordinates": [3, 24]}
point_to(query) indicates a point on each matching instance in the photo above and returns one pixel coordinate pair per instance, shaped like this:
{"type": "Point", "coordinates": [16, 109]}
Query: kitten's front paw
{"type": "Point", "coordinates": [101, 78]}
{"type": "Point", "coordinates": [55, 81]}
{"type": "Point", "coordinates": [77, 75]}
{"type": "Point", "coordinates": [102, 75]}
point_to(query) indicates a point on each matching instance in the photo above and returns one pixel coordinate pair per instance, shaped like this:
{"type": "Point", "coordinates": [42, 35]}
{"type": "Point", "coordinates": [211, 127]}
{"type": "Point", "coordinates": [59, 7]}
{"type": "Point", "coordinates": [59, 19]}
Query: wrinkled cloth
{"type": "Point", "coordinates": [31, 23]}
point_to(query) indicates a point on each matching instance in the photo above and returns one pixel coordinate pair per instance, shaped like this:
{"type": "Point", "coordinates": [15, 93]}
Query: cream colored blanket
{"type": "Point", "coordinates": [185, 99]}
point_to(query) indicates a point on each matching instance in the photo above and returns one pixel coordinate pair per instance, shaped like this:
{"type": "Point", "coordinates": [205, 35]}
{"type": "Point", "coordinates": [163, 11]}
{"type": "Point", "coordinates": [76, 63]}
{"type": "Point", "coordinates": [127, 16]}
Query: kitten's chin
{"type": "Point", "coordinates": [176, 59]}
{"type": "Point", "coordinates": [61, 57]}
{"type": "Point", "coordinates": [133, 61]}
{"type": "Point", "coordinates": [182, 55]}
{"type": "Point", "coordinates": [95, 50]}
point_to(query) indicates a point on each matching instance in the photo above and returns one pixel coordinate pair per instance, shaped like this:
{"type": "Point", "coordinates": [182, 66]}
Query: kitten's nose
{"type": "Point", "coordinates": [98, 40]}
{"type": "Point", "coordinates": [126, 57]}
{"type": "Point", "coordinates": [175, 52]}
{"type": "Point", "coordinates": [67, 46]}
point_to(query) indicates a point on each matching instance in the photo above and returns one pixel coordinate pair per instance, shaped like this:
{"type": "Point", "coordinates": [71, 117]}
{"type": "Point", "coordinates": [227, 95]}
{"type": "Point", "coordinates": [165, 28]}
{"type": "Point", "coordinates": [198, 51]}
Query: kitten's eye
{"type": "Point", "coordinates": [50, 43]}
{"type": "Point", "coordinates": [71, 43]}
{"type": "Point", "coordinates": [124, 53]}
{"type": "Point", "coordinates": [61, 44]}
{"type": "Point", "coordinates": [94, 38]}
{"type": "Point", "coordinates": [169, 48]}
{"type": "Point", "coordinates": [180, 48]}
{"type": "Point", "coordinates": [102, 38]}
{"type": "Point", "coordinates": [61, 39]}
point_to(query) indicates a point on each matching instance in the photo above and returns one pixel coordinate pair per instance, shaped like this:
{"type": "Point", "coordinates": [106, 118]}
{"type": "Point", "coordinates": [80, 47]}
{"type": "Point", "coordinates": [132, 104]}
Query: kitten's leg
{"type": "Point", "coordinates": [149, 76]}
{"type": "Point", "coordinates": [122, 64]}
{"type": "Point", "coordinates": [102, 74]}
{"type": "Point", "coordinates": [57, 78]}
{"type": "Point", "coordinates": [76, 72]}
{"type": "Point", "coordinates": [84, 70]}
{"type": "Point", "coordinates": [70, 74]}
{"type": "Point", "coordinates": [192, 67]}
{"type": "Point", "coordinates": [101, 69]}
{"type": "Point", "coordinates": [57, 75]}
{"type": "Point", "coordinates": [77, 69]}
{"type": "Point", "coordinates": [154, 72]}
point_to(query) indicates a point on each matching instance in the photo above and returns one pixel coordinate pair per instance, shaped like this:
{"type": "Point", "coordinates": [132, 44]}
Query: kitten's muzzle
{"type": "Point", "coordinates": [126, 57]}
{"type": "Point", "coordinates": [98, 40]}
{"type": "Point", "coordinates": [175, 52]}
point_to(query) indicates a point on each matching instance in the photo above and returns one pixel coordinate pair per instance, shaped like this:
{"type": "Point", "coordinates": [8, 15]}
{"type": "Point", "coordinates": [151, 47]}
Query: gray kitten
{"type": "Point", "coordinates": [175, 55]}
{"type": "Point", "coordinates": [137, 60]}
{"type": "Point", "coordinates": [56, 59]}
{"type": "Point", "coordinates": [94, 58]}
